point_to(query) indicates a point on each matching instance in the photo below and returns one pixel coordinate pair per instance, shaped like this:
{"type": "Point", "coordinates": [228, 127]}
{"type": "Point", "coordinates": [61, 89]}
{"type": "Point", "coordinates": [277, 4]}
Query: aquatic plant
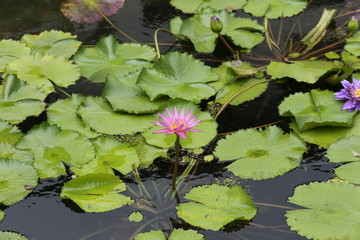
{"type": "Point", "coordinates": [350, 93]}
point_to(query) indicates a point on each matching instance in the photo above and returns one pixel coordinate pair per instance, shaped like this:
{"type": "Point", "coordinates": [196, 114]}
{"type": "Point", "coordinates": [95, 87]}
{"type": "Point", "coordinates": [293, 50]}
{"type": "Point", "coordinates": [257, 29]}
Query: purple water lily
{"type": "Point", "coordinates": [351, 93]}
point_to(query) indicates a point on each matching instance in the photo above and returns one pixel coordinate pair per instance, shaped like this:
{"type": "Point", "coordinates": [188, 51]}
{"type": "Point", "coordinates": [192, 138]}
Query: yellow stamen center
{"type": "Point", "coordinates": [357, 93]}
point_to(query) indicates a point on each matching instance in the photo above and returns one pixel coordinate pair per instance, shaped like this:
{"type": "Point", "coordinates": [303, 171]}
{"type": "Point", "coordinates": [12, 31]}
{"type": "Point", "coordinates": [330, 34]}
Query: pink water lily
{"type": "Point", "coordinates": [177, 123]}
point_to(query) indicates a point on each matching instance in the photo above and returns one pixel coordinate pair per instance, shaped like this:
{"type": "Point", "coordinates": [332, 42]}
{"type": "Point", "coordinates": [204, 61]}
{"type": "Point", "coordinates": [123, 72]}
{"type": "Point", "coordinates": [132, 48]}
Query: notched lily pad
{"type": "Point", "coordinates": [6, 235]}
{"type": "Point", "coordinates": [11, 50]}
{"type": "Point", "coordinates": [9, 134]}
{"type": "Point", "coordinates": [261, 154]}
{"type": "Point", "coordinates": [275, 8]}
{"type": "Point", "coordinates": [214, 206]}
{"type": "Point", "coordinates": [192, 6]}
{"type": "Point", "coordinates": [176, 234]}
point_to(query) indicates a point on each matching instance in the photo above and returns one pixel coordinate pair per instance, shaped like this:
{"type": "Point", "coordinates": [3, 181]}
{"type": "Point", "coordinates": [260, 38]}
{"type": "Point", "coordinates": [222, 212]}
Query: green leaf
{"type": "Point", "coordinates": [317, 108]}
{"type": "Point", "coordinates": [135, 217]}
{"type": "Point", "coordinates": [192, 6]}
{"type": "Point", "coordinates": [14, 175]}
{"type": "Point", "coordinates": [214, 206]}
{"type": "Point", "coordinates": [40, 70]}
{"type": "Point", "coordinates": [353, 44]}
{"type": "Point", "coordinates": [9, 152]}
{"type": "Point", "coordinates": [308, 71]}
{"type": "Point", "coordinates": [98, 115]}
{"type": "Point", "coordinates": [9, 134]}
{"type": "Point", "coordinates": [110, 154]}
{"type": "Point", "coordinates": [96, 192]}
{"type": "Point", "coordinates": [260, 154]}
{"type": "Point", "coordinates": [250, 89]}
{"type": "Point", "coordinates": [11, 50]}
{"type": "Point", "coordinates": [111, 58]}
{"type": "Point", "coordinates": [178, 75]}
{"type": "Point", "coordinates": [53, 42]}
{"type": "Point", "coordinates": [244, 32]}
{"type": "Point", "coordinates": [208, 126]}
{"type": "Point", "coordinates": [63, 113]}
{"type": "Point", "coordinates": [226, 76]}
{"type": "Point", "coordinates": [152, 235]}
{"type": "Point", "coordinates": [275, 8]}
{"type": "Point", "coordinates": [52, 146]}
{"type": "Point", "coordinates": [124, 95]}
{"type": "Point", "coordinates": [181, 234]}
{"type": "Point", "coordinates": [2, 216]}
{"type": "Point", "coordinates": [5, 235]}
{"type": "Point", "coordinates": [349, 172]}
{"type": "Point", "coordinates": [333, 211]}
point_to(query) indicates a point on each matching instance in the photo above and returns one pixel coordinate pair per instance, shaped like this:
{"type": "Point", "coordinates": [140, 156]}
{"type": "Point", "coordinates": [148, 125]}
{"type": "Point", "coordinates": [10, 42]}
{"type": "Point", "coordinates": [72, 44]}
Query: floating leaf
{"type": "Point", "coordinates": [192, 6]}
{"type": "Point", "coordinates": [178, 75]}
{"type": "Point", "coordinates": [214, 206]}
{"type": "Point", "coordinates": [208, 127]}
{"type": "Point", "coordinates": [333, 211]}
{"type": "Point", "coordinates": [152, 235]}
{"type": "Point", "coordinates": [14, 175]}
{"type": "Point", "coordinates": [40, 70]}
{"type": "Point", "coordinates": [243, 32]}
{"type": "Point", "coordinates": [11, 50]}
{"type": "Point", "coordinates": [111, 154]}
{"type": "Point", "coordinates": [98, 114]}
{"type": "Point", "coordinates": [308, 71]}
{"type": "Point", "coordinates": [317, 108]}
{"type": "Point", "coordinates": [254, 90]}
{"type": "Point", "coordinates": [349, 172]}
{"type": "Point", "coordinates": [96, 192]}
{"type": "Point", "coordinates": [260, 154]}
{"type": "Point", "coordinates": [53, 42]}
{"type": "Point", "coordinates": [147, 153]}
{"type": "Point", "coordinates": [52, 146]}
{"type": "Point", "coordinates": [2, 215]}
{"type": "Point", "coordinates": [124, 95]}
{"type": "Point", "coordinates": [63, 113]}
{"type": "Point", "coordinates": [9, 134]}
{"type": "Point", "coordinates": [111, 58]}
{"type": "Point", "coordinates": [136, 217]}
{"type": "Point", "coordinates": [9, 152]}
{"type": "Point", "coordinates": [353, 44]}
{"type": "Point", "coordinates": [176, 234]}
{"type": "Point", "coordinates": [5, 235]}
{"type": "Point", "coordinates": [275, 8]}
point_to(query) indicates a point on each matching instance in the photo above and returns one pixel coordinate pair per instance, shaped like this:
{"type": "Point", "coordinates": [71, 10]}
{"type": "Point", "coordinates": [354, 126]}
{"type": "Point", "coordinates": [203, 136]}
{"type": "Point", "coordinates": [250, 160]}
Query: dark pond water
{"type": "Point", "coordinates": [43, 215]}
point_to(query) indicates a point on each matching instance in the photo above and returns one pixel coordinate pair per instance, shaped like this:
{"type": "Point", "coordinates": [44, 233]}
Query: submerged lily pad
{"type": "Point", "coordinates": [11, 50]}
{"type": "Point", "coordinates": [243, 32]}
{"type": "Point", "coordinates": [275, 8]}
{"type": "Point", "coordinates": [5, 235]}
{"type": "Point", "coordinates": [40, 70]}
{"type": "Point", "coordinates": [308, 71]}
{"type": "Point", "coordinates": [178, 75]}
{"type": "Point", "coordinates": [9, 134]}
{"type": "Point", "coordinates": [333, 211]}
{"type": "Point", "coordinates": [191, 6]}
{"type": "Point", "coordinates": [214, 206]}
{"type": "Point", "coordinates": [98, 115]}
{"type": "Point", "coordinates": [111, 58]}
{"type": "Point", "coordinates": [260, 154]}
{"type": "Point", "coordinates": [52, 146]}
{"type": "Point", "coordinates": [96, 192]}
{"type": "Point", "coordinates": [317, 108]}
{"type": "Point", "coordinates": [52, 42]}
{"type": "Point", "coordinates": [14, 175]}
{"type": "Point", "coordinates": [176, 234]}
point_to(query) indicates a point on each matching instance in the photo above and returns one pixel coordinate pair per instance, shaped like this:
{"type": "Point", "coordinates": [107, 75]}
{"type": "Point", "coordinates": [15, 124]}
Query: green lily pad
{"type": "Point", "coordinates": [346, 150]}
{"type": "Point", "coordinates": [63, 113]}
{"type": "Point", "coordinates": [124, 95]}
{"type": "Point", "coordinates": [308, 71]}
{"type": "Point", "coordinates": [111, 58]}
{"type": "Point", "coordinates": [353, 44]}
{"type": "Point", "coordinates": [192, 6]}
{"type": "Point", "coordinates": [11, 236]}
{"type": "Point", "coordinates": [97, 114]}
{"type": "Point", "coordinates": [53, 42]}
{"type": "Point", "coordinates": [9, 134]}
{"type": "Point", "coordinates": [176, 234]}
{"type": "Point", "coordinates": [178, 75]}
{"type": "Point", "coordinates": [111, 154]}
{"type": "Point", "coordinates": [333, 211]}
{"type": "Point", "coordinates": [260, 154]}
{"type": "Point", "coordinates": [214, 206]}
{"type": "Point", "coordinates": [275, 8]}
{"type": "Point", "coordinates": [208, 126]}
{"type": "Point", "coordinates": [96, 192]}
{"type": "Point", "coordinates": [40, 70]}
{"type": "Point", "coordinates": [226, 76]}
{"type": "Point", "coordinates": [152, 235]}
{"type": "Point", "coordinates": [52, 146]}
{"type": "Point", "coordinates": [2, 216]}
{"type": "Point", "coordinates": [252, 84]}
{"type": "Point", "coordinates": [14, 175]}
{"type": "Point", "coordinates": [317, 108]}
{"type": "Point", "coordinates": [11, 50]}
{"type": "Point", "coordinates": [135, 217]}
{"type": "Point", "coordinates": [243, 32]}
{"type": "Point", "coordinates": [7, 151]}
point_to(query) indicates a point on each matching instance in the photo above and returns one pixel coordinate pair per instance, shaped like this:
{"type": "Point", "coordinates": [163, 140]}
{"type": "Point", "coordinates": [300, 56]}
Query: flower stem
{"type": "Point", "coordinates": [226, 43]}
{"type": "Point", "coordinates": [156, 39]}
{"type": "Point", "coordinates": [176, 166]}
